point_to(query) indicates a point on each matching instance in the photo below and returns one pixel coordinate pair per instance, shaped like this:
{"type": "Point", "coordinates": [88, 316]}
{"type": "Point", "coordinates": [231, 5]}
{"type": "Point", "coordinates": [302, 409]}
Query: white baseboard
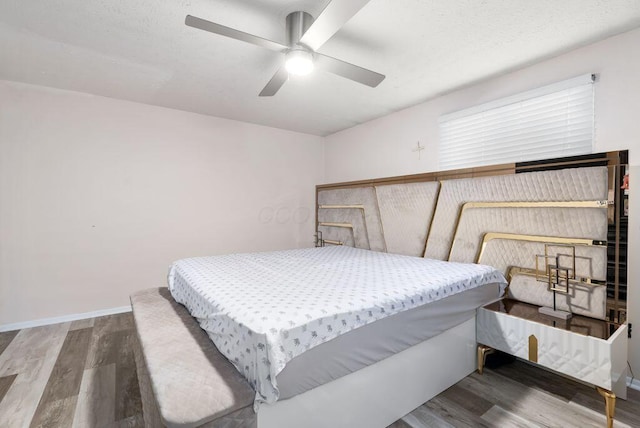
{"type": "Point", "coordinates": [633, 384]}
{"type": "Point", "coordinates": [64, 318]}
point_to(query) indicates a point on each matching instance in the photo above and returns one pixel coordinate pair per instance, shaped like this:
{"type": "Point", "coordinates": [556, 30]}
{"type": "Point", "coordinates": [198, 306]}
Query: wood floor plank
{"type": "Point", "coordinates": [113, 323]}
{"type": "Point", "coordinates": [473, 403]}
{"type": "Point", "coordinates": [104, 348]}
{"type": "Point", "coordinates": [6, 338]}
{"type": "Point", "coordinates": [55, 413]}
{"type": "Point", "coordinates": [400, 424]}
{"type": "Point", "coordinates": [498, 417]}
{"type": "Point", "coordinates": [454, 413]}
{"type": "Point", "coordinates": [69, 368]}
{"type": "Point", "coordinates": [96, 400]}
{"type": "Point", "coordinates": [543, 380]}
{"type": "Point", "coordinates": [64, 381]}
{"type": "Point", "coordinates": [535, 406]}
{"type": "Point", "coordinates": [598, 416]}
{"type": "Point", "coordinates": [586, 397]}
{"type": "Point", "coordinates": [128, 400]}
{"type": "Point", "coordinates": [125, 348]}
{"type": "Point", "coordinates": [423, 417]}
{"type": "Point", "coordinates": [135, 421]}
{"type": "Point", "coordinates": [31, 355]}
{"type": "Point", "coordinates": [80, 324]}
{"type": "Point", "coordinates": [627, 411]}
{"type": "Point", "coordinates": [32, 344]}
{"type": "Point", "coordinates": [5, 384]}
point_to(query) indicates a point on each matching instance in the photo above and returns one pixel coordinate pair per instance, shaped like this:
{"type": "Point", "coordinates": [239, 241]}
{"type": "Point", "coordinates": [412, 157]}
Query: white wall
{"type": "Point", "coordinates": [98, 196]}
{"type": "Point", "coordinates": [383, 147]}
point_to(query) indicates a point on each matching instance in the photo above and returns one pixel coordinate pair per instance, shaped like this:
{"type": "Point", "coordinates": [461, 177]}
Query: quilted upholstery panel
{"type": "Point", "coordinates": [578, 184]}
{"type": "Point", "coordinates": [583, 357]}
{"type": "Point", "coordinates": [359, 196]}
{"type": "Point", "coordinates": [591, 262]}
{"type": "Point", "coordinates": [405, 212]}
{"type": "Point", "coordinates": [355, 216]}
{"type": "Point", "coordinates": [179, 363]}
{"type": "Point", "coordinates": [588, 223]}
{"type": "Point", "coordinates": [583, 299]}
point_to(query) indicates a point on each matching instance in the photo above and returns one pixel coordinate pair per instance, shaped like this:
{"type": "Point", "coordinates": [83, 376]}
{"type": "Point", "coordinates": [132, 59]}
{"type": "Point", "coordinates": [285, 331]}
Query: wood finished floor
{"type": "Point", "coordinates": [75, 374]}
{"type": "Point", "coordinates": [82, 374]}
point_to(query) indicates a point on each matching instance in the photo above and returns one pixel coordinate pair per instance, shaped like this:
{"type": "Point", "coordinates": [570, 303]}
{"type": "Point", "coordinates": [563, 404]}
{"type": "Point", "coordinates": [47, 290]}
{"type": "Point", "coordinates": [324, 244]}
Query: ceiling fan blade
{"type": "Point", "coordinates": [332, 18]}
{"type": "Point", "coordinates": [212, 27]}
{"type": "Point", "coordinates": [275, 83]}
{"type": "Point", "coordinates": [350, 71]}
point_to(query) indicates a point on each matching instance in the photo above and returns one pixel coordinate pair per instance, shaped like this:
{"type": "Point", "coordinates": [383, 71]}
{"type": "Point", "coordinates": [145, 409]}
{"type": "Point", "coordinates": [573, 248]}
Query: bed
{"type": "Point", "coordinates": [379, 236]}
{"type": "Point", "coordinates": [293, 320]}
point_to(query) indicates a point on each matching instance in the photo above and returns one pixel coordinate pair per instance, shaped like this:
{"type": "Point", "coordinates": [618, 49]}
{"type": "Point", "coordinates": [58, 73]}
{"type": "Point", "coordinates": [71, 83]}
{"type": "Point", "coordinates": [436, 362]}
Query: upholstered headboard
{"type": "Point", "coordinates": [509, 216]}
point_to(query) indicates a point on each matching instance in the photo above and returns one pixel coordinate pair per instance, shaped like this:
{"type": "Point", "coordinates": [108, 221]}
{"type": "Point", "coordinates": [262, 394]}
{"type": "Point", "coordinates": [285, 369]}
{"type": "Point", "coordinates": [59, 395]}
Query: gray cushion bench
{"type": "Point", "coordinates": [184, 380]}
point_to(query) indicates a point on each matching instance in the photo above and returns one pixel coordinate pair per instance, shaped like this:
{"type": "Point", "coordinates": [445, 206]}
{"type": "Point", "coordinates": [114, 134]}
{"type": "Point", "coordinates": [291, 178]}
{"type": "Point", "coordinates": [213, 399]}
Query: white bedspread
{"type": "Point", "coordinates": [263, 309]}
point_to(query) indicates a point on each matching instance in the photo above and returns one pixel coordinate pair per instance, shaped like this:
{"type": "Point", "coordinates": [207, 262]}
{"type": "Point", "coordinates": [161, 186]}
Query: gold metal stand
{"type": "Point", "coordinates": [609, 404]}
{"type": "Point", "coordinates": [483, 351]}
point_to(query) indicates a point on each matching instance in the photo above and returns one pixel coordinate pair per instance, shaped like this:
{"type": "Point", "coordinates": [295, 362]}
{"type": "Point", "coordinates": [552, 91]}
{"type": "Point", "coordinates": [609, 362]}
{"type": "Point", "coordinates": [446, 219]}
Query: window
{"type": "Point", "coordinates": [549, 122]}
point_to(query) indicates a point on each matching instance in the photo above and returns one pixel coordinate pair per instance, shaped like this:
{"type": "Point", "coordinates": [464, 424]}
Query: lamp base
{"type": "Point", "coordinates": [554, 313]}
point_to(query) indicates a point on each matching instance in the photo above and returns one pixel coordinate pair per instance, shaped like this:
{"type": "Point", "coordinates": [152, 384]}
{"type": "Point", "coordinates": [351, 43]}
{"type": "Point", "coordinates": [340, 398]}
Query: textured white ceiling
{"type": "Point", "coordinates": [140, 50]}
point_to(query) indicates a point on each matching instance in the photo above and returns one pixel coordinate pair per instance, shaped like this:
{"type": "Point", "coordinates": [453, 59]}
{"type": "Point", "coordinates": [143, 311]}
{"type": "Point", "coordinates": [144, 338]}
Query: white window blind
{"type": "Point", "coordinates": [549, 122]}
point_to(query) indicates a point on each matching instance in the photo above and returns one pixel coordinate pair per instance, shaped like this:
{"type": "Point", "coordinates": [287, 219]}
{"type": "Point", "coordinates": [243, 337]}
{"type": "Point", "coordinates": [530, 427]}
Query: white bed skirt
{"type": "Point", "coordinates": [382, 393]}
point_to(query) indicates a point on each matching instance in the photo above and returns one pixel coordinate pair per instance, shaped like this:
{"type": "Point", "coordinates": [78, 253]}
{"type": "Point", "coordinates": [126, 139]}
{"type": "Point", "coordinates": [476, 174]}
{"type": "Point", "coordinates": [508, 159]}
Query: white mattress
{"type": "Point", "coordinates": [382, 339]}
{"type": "Point", "coordinates": [264, 309]}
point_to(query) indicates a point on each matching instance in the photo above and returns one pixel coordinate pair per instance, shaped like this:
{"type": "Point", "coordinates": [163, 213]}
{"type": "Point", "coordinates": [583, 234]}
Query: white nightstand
{"type": "Point", "coordinates": [586, 349]}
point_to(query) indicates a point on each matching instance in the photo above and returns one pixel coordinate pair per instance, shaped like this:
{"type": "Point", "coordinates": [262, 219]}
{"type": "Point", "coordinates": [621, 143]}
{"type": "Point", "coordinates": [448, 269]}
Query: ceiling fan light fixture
{"type": "Point", "coordinates": [304, 36]}
{"type": "Point", "coordinates": [299, 62]}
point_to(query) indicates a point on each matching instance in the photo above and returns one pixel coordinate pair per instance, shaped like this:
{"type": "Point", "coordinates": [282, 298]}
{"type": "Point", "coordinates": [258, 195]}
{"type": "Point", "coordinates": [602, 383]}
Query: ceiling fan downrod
{"type": "Point", "coordinates": [297, 24]}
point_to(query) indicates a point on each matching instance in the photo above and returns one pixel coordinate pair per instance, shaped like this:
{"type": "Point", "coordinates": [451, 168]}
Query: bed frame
{"type": "Point", "coordinates": [428, 215]}
{"type": "Point", "coordinates": [380, 394]}
{"type": "Point", "coordinates": [449, 216]}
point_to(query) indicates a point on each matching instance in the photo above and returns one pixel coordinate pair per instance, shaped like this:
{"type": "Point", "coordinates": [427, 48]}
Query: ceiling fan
{"type": "Point", "coordinates": [304, 37]}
